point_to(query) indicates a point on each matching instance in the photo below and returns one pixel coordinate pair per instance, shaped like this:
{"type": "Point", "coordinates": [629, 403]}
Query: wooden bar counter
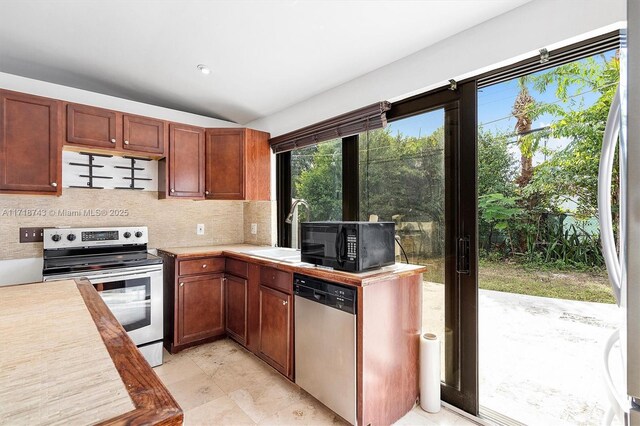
{"type": "Point", "coordinates": [67, 360]}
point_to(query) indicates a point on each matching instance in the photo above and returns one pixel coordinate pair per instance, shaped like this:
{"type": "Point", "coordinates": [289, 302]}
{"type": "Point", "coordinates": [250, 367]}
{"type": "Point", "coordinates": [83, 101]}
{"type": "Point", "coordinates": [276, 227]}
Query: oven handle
{"type": "Point", "coordinates": [106, 278]}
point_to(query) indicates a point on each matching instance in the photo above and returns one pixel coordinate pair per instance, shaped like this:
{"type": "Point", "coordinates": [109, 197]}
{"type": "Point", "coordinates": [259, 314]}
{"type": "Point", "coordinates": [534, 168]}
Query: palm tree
{"type": "Point", "coordinates": [522, 109]}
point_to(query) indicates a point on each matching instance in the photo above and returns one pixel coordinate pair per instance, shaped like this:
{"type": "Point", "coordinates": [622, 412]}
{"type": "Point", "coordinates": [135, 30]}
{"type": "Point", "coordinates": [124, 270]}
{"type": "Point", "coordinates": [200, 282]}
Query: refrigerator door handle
{"type": "Point", "coordinates": [605, 171]}
{"type": "Point", "coordinates": [618, 405]}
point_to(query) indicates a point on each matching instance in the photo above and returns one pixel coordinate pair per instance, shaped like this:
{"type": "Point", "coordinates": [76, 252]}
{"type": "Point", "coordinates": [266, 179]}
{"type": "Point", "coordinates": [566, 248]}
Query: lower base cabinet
{"type": "Point", "coordinates": [275, 337]}
{"type": "Point", "coordinates": [236, 308]}
{"type": "Point", "coordinates": [200, 308]}
{"type": "Point", "coordinates": [209, 297]}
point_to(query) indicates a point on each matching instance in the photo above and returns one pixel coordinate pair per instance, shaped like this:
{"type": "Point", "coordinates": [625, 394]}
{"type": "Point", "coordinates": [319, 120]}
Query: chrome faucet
{"type": "Point", "coordinates": [289, 219]}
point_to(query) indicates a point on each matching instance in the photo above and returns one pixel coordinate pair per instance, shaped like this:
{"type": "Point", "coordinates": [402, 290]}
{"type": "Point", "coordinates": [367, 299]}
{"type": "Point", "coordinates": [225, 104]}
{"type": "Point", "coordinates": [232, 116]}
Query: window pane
{"type": "Point", "coordinates": [316, 177]}
{"type": "Point", "coordinates": [402, 179]}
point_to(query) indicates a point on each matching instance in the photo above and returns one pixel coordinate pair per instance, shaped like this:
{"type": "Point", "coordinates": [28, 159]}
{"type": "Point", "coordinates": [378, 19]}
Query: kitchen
{"type": "Point", "coordinates": [95, 170]}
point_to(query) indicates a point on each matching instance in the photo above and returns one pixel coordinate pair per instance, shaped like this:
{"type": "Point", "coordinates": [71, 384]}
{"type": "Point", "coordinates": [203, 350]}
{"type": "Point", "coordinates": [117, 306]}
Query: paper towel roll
{"type": "Point", "coordinates": [430, 373]}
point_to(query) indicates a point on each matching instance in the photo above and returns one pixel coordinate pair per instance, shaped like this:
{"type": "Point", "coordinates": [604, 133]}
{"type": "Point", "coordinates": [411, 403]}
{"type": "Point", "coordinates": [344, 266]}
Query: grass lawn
{"type": "Point", "coordinates": [546, 282]}
{"type": "Point", "coordinates": [571, 285]}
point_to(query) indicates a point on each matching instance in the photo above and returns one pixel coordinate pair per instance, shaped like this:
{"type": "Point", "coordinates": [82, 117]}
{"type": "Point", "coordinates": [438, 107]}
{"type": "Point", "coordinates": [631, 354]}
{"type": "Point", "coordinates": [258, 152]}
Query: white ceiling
{"type": "Point", "coordinates": [264, 55]}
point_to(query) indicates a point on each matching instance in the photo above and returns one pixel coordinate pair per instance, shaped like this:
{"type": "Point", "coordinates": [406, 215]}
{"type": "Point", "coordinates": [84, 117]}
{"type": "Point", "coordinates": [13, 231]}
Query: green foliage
{"type": "Point", "coordinates": [496, 167]}
{"type": "Point", "coordinates": [499, 210]}
{"type": "Point", "coordinates": [568, 177]}
{"type": "Point", "coordinates": [573, 171]}
{"type": "Point", "coordinates": [317, 178]}
{"type": "Point", "coordinates": [402, 176]}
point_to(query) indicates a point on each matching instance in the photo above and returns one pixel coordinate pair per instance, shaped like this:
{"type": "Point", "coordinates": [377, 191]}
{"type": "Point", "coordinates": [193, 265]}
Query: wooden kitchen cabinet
{"type": "Point", "coordinates": [30, 144]}
{"type": "Point", "coordinates": [194, 301]}
{"type": "Point", "coordinates": [238, 164]}
{"type": "Point", "coordinates": [143, 134]}
{"type": "Point", "coordinates": [200, 308]}
{"type": "Point", "coordinates": [182, 174]}
{"type": "Point", "coordinates": [236, 308]}
{"type": "Point", "coordinates": [91, 126]}
{"type": "Point", "coordinates": [276, 315]}
{"type": "Point", "coordinates": [113, 131]}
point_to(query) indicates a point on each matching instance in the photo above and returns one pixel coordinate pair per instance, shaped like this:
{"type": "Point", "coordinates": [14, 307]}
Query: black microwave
{"type": "Point", "coordinates": [348, 246]}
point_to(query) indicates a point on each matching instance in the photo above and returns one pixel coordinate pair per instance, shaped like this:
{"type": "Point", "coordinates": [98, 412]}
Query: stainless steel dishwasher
{"type": "Point", "coordinates": [325, 343]}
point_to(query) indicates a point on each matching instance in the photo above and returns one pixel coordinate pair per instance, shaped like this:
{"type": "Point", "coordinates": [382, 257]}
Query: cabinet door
{"type": "Point", "coordinates": [200, 308]}
{"type": "Point", "coordinates": [225, 164]}
{"type": "Point", "coordinates": [236, 308]}
{"type": "Point", "coordinates": [143, 134]}
{"type": "Point", "coordinates": [91, 126]}
{"type": "Point", "coordinates": [275, 329]}
{"type": "Point", "coordinates": [186, 161]}
{"type": "Point", "coordinates": [29, 143]}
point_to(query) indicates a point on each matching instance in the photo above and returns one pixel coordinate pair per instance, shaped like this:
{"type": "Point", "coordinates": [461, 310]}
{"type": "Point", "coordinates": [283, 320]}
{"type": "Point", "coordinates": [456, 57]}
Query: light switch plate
{"type": "Point", "coordinates": [200, 229]}
{"type": "Point", "coordinates": [254, 228]}
{"type": "Point", "coordinates": [31, 235]}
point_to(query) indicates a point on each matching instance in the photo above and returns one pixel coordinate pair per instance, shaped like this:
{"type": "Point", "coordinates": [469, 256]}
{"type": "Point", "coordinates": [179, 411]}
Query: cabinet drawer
{"type": "Point", "coordinates": [201, 266]}
{"type": "Point", "coordinates": [276, 279]}
{"type": "Point", "coordinates": [237, 268]}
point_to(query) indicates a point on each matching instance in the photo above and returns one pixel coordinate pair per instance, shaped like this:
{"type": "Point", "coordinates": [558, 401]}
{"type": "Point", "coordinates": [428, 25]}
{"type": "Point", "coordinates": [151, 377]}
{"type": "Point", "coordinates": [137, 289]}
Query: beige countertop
{"type": "Point", "coordinates": [247, 252]}
{"type": "Point", "coordinates": [65, 359]}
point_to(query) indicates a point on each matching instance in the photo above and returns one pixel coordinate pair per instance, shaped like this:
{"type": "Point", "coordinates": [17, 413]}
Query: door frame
{"type": "Point", "coordinates": [461, 295]}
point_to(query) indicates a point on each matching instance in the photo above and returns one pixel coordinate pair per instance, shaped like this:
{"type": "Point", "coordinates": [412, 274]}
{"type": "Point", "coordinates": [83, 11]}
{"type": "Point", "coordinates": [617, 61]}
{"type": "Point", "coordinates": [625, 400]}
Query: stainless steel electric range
{"type": "Point", "coordinates": [116, 262]}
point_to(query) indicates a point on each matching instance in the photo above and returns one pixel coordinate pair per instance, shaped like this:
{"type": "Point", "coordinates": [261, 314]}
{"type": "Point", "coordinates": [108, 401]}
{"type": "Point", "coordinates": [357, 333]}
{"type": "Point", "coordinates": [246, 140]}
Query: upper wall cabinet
{"type": "Point", "coordinates": [238, 165]}
{"type": "Point", "coordinates": [30, 144]}
{"type": "Point", "coordinates": [114, 131]}
{"type": "Point", "coordinates": [182, 173]}
{"type": "Point", "coordinates": [143, 134]}
{"type": "Point", "coordinates": [91, 126]}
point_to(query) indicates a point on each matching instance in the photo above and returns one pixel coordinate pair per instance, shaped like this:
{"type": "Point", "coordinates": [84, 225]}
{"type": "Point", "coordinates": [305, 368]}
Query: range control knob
{"type": "Point", "coordinates": [127, 234]}
{"type": "Point", "coordinates": [71, 237]}
{"type": "Point", "coordinates": [138, 234]}
{"type": "Point", "coordinates": [56, 237]}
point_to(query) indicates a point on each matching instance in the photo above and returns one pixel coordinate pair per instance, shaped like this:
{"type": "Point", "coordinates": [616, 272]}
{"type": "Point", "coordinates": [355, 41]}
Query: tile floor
{"type": "Point", "coordinates": [221, 383]}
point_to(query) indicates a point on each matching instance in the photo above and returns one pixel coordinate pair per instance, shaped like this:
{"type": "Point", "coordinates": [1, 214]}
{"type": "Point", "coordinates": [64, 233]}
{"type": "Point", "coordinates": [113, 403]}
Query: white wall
{"type": "Point", "coordinates": [504, 39]}
{"type": "Point", "coordinates": [65, 93]}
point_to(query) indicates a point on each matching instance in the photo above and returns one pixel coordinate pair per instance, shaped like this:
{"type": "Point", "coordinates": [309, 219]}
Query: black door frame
{"type": "Point", "coordinates": [461, 254]}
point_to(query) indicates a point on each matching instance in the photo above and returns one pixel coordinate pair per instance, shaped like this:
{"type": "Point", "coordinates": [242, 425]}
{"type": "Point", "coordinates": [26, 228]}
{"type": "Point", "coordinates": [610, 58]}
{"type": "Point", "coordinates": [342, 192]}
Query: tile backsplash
{"type": "Point", "coordinates": [171, 222]}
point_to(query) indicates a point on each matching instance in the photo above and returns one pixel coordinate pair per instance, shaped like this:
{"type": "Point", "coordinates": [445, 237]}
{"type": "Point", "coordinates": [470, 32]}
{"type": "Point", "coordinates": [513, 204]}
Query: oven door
{"type": "Point", "coordinates": [135, 299]}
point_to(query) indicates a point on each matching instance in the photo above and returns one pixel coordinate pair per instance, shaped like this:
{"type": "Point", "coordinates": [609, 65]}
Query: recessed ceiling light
{"type": "Point", "coordinates": [204, 69]}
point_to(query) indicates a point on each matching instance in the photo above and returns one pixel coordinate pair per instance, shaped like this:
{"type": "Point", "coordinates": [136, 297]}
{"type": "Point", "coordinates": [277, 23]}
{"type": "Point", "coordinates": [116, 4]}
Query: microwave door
{"type": "Point", "coordinates": [319, 242]}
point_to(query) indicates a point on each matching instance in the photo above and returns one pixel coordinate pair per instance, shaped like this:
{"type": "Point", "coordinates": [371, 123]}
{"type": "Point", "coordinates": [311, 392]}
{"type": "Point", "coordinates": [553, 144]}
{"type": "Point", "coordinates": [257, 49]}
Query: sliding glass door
{"type": "Point", "coordinates": [419, 173]}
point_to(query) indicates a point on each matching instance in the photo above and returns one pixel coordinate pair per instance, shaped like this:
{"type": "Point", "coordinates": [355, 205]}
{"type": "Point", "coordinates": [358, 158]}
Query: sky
{"type": "Point", "coordinates": [494, 111]}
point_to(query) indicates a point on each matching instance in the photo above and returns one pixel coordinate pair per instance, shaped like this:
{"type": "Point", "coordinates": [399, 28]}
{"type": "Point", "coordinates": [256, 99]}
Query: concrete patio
{"type": "Point", "coordinates": [540, 358]}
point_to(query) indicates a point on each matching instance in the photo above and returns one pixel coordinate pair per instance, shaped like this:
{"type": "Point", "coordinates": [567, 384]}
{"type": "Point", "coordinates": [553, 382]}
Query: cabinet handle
{"type": "Point", "coordinates": [54, 184]}
{"type": "Point", "coordinates": [113, 140]}
{"type": "Point", "coordinates": [206, 192]}
{"type": "Point", "coordinates": [284, 302]}
{"type": "Point", "coordinates": [204, 265]}
{"type": "Point", "coordinates": [173, 190]}
{"type": "Point", "coordinates": [181, 284]}
{"type": "Point", "coordinates": [126, 142]}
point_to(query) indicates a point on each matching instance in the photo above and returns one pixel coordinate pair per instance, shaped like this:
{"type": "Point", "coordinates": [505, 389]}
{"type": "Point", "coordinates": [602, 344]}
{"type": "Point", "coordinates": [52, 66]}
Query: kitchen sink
{"type": "Point", "coordinates": [279, 254]}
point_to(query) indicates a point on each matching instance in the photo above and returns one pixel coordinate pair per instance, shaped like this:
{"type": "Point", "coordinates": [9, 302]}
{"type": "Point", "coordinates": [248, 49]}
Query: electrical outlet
{"type": "Point", "coordinates": [254, 228]}
{"type": "Point", "coordinates": [200, 229]}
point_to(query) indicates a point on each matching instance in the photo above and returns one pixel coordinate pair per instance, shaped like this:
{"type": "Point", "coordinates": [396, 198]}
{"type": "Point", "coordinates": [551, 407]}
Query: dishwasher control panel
{"type": "Point", "coordinates": [327, 293]}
